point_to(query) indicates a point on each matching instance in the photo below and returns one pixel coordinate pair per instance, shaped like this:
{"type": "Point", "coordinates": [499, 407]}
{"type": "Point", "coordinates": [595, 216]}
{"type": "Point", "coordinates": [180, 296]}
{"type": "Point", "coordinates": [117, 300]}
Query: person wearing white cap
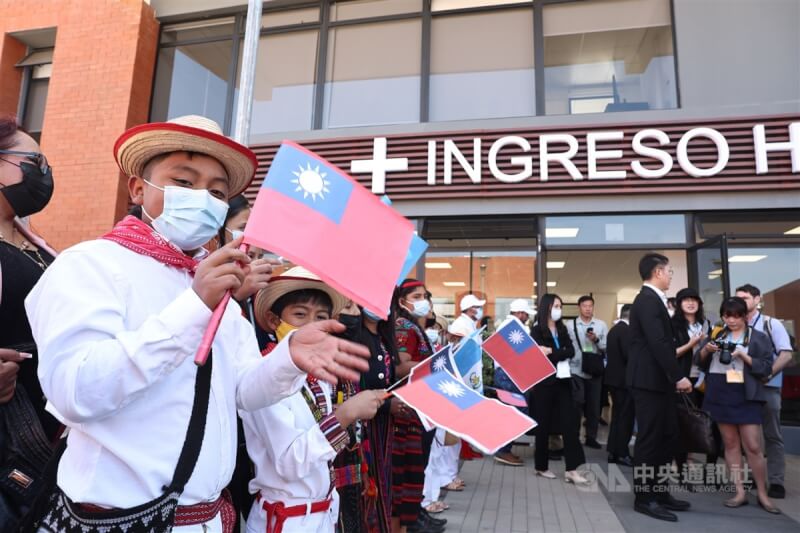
{"type": "Point", "coordinates": [471, 312]}
{"type": "Point", "coordinates": [118, 320]}
{"type": "Point", "coordinates": [519, 310]}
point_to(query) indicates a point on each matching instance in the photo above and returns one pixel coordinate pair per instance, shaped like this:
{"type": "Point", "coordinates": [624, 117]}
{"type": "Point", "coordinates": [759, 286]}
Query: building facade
{"type": "Point", "coordinates": [539, 146]}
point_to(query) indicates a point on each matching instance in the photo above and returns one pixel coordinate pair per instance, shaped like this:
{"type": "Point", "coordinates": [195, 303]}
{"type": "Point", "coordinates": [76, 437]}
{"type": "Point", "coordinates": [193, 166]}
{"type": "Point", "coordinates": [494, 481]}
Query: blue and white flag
{"type": "Point", "coordinates": [468, 359]}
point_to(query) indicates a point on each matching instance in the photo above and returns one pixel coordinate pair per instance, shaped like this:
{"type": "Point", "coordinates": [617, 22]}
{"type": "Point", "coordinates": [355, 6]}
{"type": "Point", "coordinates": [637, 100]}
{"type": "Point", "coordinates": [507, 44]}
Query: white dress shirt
{"type": "Point", "coordinates": [291, 456]}
{"type": "Point", "coordinates": [581, 343]}
{"type": "Point", "coordinates": [466, 322]}
{"type": "Point", "coordinates": [661, 294]}
{"type": "Point", "coordinates": [117, 333]}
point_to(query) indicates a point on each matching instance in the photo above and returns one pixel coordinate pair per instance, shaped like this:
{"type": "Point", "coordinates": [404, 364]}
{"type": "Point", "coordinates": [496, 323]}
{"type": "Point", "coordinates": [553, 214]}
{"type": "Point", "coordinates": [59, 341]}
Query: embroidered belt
{"type": "Point", "coordinates": [199, 513]}
{"type": "Point", "coordinates": [277, 512]}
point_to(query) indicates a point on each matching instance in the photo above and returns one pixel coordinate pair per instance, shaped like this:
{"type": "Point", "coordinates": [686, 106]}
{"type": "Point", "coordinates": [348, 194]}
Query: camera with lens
{"type": "Point", "coordinates": [726, 348]}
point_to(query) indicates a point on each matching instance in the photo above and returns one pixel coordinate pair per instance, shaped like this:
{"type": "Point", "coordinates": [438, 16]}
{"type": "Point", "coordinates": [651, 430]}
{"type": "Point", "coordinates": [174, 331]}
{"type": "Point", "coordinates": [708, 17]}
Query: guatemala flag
{"type": "Point", "coordinates": [468, 359]}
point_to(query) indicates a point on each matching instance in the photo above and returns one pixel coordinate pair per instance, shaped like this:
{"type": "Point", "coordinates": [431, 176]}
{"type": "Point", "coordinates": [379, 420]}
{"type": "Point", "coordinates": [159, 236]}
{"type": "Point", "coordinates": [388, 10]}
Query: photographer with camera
{"type": "Point", "coordinates": [736, 359]}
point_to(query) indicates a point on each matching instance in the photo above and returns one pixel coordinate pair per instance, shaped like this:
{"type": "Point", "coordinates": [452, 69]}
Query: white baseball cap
{"type": "Point", "coordinates": [470, 300]}
{"type": "Point", "coordinates": [521, 305]}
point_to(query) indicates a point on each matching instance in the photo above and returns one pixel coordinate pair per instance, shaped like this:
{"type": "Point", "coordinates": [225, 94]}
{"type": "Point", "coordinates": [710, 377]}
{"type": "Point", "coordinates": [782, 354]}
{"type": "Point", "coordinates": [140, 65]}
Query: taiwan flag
{"type": "Point", "coordinates": [519, 355]}
{"type": "Point", "coordinates": [317, 216]}
{"type": "Point", "coordinates": [447, 402]}
{"type": "Point", "coordinates": [441, 360]}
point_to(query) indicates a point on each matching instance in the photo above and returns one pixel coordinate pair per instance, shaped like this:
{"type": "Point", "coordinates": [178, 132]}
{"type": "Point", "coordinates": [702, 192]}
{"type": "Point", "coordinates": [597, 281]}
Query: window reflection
{"type": "Point", "coordinates": [608, 56]}
{"type": "Point", "coordinates": [482, 66]}
{"type": "Point", "coordinates": [615, 229]}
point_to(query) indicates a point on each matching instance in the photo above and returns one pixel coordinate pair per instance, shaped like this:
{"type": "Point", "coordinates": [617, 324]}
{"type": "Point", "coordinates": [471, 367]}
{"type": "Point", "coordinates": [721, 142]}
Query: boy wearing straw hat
{"type": "Point", "coordinates": [118, 320]}
{"type": "Point", "coordinates": [294, 442]}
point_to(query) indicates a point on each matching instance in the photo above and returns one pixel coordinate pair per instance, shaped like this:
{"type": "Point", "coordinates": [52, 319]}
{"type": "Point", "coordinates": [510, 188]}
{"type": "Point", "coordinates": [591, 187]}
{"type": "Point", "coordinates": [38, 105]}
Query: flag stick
{"type": "Point", "coordinates": [213, 325]}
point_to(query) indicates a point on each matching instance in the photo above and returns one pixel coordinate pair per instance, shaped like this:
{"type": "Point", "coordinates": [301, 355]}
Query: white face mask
{"type": "Point", "coordinates": [432, 335]}
{"type": "Point", "coordinates": [479, 314]}
{"type": "Point", "coordinates": [555, 314]}
{"type": "Point", "coordinates": [421, 308]}
{"type": "Point", "coordinates": [190, 217]}
{"type": "Point", "coordinates": [235, 233]}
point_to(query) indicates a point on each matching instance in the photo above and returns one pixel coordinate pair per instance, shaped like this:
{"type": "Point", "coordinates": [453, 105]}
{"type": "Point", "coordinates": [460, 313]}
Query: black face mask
{"type": "Point", "coordinates": [33, 193]}
{"type": "Point", "coordinates": [352, 323]}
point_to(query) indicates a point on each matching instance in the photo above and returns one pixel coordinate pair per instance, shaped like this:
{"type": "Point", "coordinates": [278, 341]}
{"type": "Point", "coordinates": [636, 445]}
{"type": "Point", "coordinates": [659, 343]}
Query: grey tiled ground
{"type": "Point", "coordinates": [500, 498]}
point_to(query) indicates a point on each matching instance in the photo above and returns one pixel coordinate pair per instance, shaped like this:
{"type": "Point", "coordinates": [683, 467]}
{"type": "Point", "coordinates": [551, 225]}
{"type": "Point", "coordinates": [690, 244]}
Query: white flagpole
{"type": "Point", "coordinates": [247, 77]}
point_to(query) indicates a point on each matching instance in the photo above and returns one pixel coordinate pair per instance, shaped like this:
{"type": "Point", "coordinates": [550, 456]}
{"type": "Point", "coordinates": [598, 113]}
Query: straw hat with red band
{"type": "Point", "coordinates": [192, 133]}
{"type": "Point", "coordinates": [294, 279]}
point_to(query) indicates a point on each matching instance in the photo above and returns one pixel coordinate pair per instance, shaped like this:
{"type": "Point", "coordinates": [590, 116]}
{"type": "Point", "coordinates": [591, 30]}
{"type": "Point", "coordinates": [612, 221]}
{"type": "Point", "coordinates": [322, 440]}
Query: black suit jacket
{"type": "Point", "coordinates": [617, 348]}
{"type": "Point", "coordinates": [562, 353]}
{"type": "Point", "coordinates": [652, 364]}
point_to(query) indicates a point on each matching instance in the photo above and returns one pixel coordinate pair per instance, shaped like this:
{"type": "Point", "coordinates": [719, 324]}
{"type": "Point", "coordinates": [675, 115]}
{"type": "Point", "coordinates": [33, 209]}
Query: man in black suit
{"type": "Point", "coordinates": [653, 376]}
{"type": "Point", "coordinates": [617, 348]}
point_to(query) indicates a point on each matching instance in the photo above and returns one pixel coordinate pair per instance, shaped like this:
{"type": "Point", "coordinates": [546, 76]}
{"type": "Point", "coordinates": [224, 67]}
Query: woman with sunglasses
{"type": "Point", "coordinates": [26, 185]}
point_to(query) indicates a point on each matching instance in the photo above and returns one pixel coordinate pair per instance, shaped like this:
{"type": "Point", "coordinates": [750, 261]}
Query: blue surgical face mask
{"type": "Point", "coordinates": [190, 217]}
{"type": "Point", "coordinates": [235, 233]}
{"type": "Point", "coordinates": [372, 316]}
{"type": "Point", "coordinates": [433, 335]}
{"type": "Point", "coordinates": [421, 308]}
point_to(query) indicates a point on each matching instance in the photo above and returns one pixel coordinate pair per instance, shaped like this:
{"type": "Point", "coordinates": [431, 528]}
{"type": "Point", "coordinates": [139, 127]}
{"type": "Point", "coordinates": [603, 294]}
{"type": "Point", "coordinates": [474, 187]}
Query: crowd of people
{"type": "Point", "coordinates": [108, 423]}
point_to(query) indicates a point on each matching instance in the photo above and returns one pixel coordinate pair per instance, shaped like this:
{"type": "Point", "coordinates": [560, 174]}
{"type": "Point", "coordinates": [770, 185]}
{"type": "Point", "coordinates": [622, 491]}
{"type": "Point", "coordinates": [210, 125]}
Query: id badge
{"type": "Point", "coordinates": [734, 376]}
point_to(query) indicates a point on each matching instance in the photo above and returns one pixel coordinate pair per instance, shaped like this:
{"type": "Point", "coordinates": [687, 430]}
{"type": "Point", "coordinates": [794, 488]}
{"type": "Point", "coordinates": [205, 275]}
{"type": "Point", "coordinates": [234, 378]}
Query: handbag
{"type": "Point", "coordinates": [591, 362]}
{"type": "Point", "coordinates": [696, 428]}
{"type": "Point", "coordinates": [25, 453]}
{"type": "Point", "coordinates": [61, 515]}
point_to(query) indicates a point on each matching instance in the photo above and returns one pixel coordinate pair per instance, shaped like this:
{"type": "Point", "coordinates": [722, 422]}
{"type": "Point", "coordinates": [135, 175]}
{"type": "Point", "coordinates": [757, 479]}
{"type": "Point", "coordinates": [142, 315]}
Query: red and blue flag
{"type": "Point", "coordinates": [441, 360]}
{"type": "Point", "coordinates": [519, 355]}
{"type": "Point", "coordinates": [317, 216]}
{"type": "Point", "coordinates": [448, 403]}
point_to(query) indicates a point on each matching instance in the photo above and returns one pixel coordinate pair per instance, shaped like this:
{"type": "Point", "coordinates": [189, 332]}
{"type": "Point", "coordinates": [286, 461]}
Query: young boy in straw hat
{"type": "Point", "coordinates": [118, 320]}
{"type": "Point", "coordinates": [293, 442]}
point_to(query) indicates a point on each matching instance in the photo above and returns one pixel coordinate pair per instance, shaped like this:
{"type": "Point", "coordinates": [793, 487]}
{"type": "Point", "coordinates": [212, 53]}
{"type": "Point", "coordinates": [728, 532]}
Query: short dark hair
{"type": "Point", "coordinates": [649, 263]}
{"type": "Point", "coordinates": [625, 310]}
{"type": "Point", "coordinates": [8, 130]}
{"type": "Point", "coordinates": [752, 290]}
{"type": "Point", "coordinates": [585, 298]}
{"type": "Point", "coordinates": [733, 306]}
{"type": "Point", "coordinates": [302, 296]}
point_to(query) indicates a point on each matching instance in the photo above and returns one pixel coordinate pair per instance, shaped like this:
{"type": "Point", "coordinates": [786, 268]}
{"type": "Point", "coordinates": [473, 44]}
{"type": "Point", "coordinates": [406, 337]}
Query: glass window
{"type": "Point", "coordinates": [482, 65]}
{"type": "Point", "coordinates": [599, 50]}
{"type": "Point", "coordinates": [373, 74]}
{"type": "Point", "coordinates": [615, 230]}
{"type": "Point", "coordinates": [33, 117]}
{"type": "Point", "coordinates": [202, 29]}
{"type": "Point", "coordinates": [444, 5]}
{"type": "Point", "coordinates": [357, 9]}
{"type": "Point", "coordinates": [283, 98]}
{"type": "Point", "coordinates": [275, 19]}
{"type": "Point", "coordinates": [192, 80]}
{"type": "Point", "coordinates": [498, 276]}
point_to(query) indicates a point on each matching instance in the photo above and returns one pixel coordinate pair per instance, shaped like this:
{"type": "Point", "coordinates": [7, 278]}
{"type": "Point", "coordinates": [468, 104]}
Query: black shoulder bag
{"type": "Point", "coordinates": [61, 515]}
{"type": "Point", "coordinates": [591, 362]}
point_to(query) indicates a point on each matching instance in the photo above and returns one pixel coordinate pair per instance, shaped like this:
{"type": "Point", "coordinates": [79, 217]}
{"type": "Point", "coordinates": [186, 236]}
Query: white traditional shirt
{"type": "Point", "coordinates": [291, 452]}
{"type": "Point", "coordinates": [117, 333]}
{"type": "Point", "coordinates": [466, 322]}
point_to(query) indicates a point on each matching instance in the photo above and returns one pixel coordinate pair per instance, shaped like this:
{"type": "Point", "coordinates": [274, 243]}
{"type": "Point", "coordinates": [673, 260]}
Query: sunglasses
{"type": "Point", "coordinates": [37, 158]}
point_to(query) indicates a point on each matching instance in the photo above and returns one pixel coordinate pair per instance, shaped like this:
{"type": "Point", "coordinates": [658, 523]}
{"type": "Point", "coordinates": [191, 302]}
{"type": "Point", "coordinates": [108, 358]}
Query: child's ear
{"type": "Point", "coordinates": [273, 320]}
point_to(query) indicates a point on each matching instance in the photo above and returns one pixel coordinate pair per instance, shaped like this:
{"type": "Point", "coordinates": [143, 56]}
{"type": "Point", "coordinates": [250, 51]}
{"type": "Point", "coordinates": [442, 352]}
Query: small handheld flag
{"type": "Point", "coordinates": [313, 213]}
{"type": "Point", "coordinates": [468, 359]}
{"type": "Point", "coordinates": [449, 404]}
{"type": "Point", "coordinates": [519, 355]}
{"type": "Point", "coordinates": [510, 398]}
{"type": "Point", "coordinates": [441, 360]}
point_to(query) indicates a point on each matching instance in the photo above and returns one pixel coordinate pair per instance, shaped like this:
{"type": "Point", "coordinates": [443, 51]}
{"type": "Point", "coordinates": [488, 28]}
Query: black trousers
{"type": "Point", "coordinates": [551, 403]}
{"type": "Point", "coordinates": [656, 442]}
{"type": "Point", "coordinates": [622, 418]}
{"type": "Point", "coordinates": [593, 404]}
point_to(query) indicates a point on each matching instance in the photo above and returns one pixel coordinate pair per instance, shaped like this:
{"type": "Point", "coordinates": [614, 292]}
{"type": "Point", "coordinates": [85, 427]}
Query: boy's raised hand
{"type": "Point", "coordinates": [223, 270]}
{"type": "Point", "coordinates": [315, 351]}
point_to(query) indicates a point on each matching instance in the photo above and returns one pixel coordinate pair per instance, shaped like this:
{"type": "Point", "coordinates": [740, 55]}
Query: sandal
{"type": "Point", "coordinates": [547, 474]}
{"type": "Point", "coordinates": [733, 503]}
{"type": "Point", "coordinates": [437, 507]}
{"type": "Point", "coordinates": [771, 509]}
{"type": "Point", "coordinates": [453, 486]}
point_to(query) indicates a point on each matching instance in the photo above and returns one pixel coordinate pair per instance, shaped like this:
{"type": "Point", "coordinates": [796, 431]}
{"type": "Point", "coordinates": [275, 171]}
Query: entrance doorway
{"type": "Point", "coordinates": [610, 276]}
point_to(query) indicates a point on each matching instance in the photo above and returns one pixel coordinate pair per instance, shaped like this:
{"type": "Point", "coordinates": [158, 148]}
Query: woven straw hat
{"type": "Point", "coordinates": [294, 279]}
{"type": "Point", "coordinates": [191, 133]}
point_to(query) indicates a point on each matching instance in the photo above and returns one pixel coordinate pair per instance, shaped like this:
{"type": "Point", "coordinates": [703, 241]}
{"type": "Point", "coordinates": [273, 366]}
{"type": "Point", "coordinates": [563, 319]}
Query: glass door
{"type": "Point", "coordinates": [708, 272]}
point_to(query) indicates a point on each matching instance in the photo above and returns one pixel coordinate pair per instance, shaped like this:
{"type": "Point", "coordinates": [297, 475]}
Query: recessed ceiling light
{"type": "Point", "coordinates": [793, 231]}
{"type": "Point", "coordinates": [535, 284]}
{"type": "Point", "coordinates": [556, 264]}
{"type": "Point", "coordinates": [714, 274]}
{"type": "Point", "coordinates": [552, 283]}
{"type": "Point", "coordinates": [438, 266]}
{"type": "Point", "coordinates": [561, 233]}
{"type": "Point", "coordinates": [454, 284]}
{"type": "Point", "coordinates": [746, 258]}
